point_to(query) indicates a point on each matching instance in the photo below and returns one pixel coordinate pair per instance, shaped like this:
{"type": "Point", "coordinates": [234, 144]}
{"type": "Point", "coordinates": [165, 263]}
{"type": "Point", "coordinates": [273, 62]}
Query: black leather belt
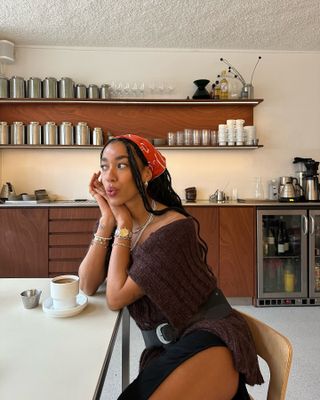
{"type": "Point", "coordinates": [216, 307]}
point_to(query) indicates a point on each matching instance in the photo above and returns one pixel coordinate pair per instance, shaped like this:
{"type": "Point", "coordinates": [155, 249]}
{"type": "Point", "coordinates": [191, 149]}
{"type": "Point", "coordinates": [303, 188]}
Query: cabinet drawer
{"type": "Point", "coordinates": [74, 213]}
{"type": "Point", "coordinates": [67, 252]}
{"type": "Point", "coordinates": [78, 226]}
{"type": "Point", "coordinates": [58, 267]}
{"type": "Point", "coordinates": [70, 239]}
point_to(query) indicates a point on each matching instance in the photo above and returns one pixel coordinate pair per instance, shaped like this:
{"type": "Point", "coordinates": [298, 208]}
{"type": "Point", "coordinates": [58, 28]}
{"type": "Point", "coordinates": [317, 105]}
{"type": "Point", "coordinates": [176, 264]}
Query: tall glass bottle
{"type": "Point", "coordinates": [224, 85]}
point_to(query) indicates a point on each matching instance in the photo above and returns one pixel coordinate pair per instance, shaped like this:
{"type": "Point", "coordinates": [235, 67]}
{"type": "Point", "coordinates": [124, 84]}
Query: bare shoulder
{"type": "Point", "coordinates": [166, 218]}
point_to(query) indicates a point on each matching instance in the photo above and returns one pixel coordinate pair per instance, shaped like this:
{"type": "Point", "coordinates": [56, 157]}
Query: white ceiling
{"type": "Point", "coordinates": [195, 24]}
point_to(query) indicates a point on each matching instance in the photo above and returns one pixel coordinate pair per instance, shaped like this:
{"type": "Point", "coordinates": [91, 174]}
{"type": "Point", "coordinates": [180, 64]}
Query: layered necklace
{"type": "Point", "coordinates": [142, 228]}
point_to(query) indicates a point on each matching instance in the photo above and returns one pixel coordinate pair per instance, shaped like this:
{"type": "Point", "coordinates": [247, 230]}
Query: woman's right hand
{"type": "Point", "coordinates": [98, 192]}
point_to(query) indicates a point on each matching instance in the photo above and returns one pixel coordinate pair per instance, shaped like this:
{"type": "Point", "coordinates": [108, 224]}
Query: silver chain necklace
{"type": "Point", "coordinates": [147, 222]}
{"type": "Point", "coordinates": [144, 226]}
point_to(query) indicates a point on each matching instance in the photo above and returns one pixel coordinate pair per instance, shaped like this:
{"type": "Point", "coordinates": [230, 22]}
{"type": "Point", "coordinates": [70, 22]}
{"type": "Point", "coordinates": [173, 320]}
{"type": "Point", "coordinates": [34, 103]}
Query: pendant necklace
{"type": "Point", "coordinates": [142, 228]}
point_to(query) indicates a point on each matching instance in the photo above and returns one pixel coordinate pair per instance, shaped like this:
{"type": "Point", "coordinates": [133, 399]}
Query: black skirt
{"type": "Point", "coordinates": [175, 354]}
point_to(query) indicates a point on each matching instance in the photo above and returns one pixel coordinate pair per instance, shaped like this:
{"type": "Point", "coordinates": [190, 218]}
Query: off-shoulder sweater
{"type": "Point", "coordinates": [176, 281]}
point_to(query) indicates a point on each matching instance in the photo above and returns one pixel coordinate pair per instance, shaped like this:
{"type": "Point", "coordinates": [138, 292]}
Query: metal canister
{"type": "Point", "coordinates": [81, 91]}
{"type": "Point", "coordinates": [82, 134]}
{"type": "Point", "coordinates": [66, 88]}
{"type": "Point", "coordinates": [97, 136]}
{"type": "Point", "coordinates": [50, 133]}
{"type": "Point", "coordinates": [17, 133]}
{"type": "Point", "coordinates": [93, 91]}
{"type": "Point", "coordinates": [4, 88]}
{"type": "Point", "coordinates": [4, 133]}
{"type": "Point", "coordinates": [105, 91]}
{"type": "Point", "coordinates": [66, 134]}
{"type": "Point", "coordinates": [34, 88]}
{"type": "Point", "coordinates": [34, 133]}
{"type": "Point", "coordinates": [17, 87]}
{"type": "Point", "coordinates": [50, 88]}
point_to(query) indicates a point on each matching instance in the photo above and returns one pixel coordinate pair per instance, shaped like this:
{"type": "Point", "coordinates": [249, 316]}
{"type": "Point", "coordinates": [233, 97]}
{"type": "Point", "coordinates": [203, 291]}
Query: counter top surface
{"type": "Point", "coordinates": [92, 203]}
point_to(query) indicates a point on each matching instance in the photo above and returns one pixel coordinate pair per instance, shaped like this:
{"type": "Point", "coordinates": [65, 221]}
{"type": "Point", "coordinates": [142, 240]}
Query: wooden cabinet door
{"type": "Point", "coordinates": [208, 218]}
{"type": "Point", "coordinates": [23, 242]}
{"type": "Point", "coordinates": [237, 251]}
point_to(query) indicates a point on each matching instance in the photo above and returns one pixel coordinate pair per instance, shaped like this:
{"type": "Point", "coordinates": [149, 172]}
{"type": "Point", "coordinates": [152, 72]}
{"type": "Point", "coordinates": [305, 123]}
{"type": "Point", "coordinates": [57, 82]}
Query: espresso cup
{"type": "Point", "coordinates": [64, 290]}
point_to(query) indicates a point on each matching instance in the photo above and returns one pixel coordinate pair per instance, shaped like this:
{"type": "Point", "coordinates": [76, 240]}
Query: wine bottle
{"type": "Point", "coordinates": [286, 239]}
{"type": "Point", "coordinates": [271, 243]}
{"type": "Point", "coordinates": [281, 240]}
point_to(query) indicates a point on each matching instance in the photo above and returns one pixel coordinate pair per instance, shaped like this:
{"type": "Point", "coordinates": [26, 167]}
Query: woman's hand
{"type": "Point", "coordinates": [98, 192]}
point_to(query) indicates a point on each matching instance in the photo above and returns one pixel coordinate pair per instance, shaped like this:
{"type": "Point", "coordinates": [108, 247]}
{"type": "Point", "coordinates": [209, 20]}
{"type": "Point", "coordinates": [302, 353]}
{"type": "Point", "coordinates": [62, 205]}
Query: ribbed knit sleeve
{"type": "Point", "coordinates": [169, 268]}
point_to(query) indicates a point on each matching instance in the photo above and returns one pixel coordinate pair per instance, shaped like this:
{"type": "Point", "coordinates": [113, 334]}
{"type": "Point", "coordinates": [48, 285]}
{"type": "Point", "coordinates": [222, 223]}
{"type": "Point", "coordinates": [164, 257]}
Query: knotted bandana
{"type": "Point", "coordinates": [156, 161]}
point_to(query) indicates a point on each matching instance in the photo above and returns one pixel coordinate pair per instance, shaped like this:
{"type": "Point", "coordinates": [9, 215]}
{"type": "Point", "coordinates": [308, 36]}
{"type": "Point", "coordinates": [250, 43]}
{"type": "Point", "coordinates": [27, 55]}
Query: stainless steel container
{"type": "Point", "coordinates": [17, 87]}
{"type": "Point", "coordinates": [34, 90]}
{"type": "Point", "coordinates": [66, 88]}
{"type": "Point", "coordinates": [97, 136]}
{"type": "Point", "coordinates": [81, 91]}
{"type": "Point", "coordinates": [50, 133]}
{"type": "Point", "coordinates": [93, 92]}
{"type": "Point", "coordinates": [105, 91]}
{"type": "Point", "coordinates": [50, 88]}
{"type": "Point", "coordinates": [34, 133]}
{"type": "Point", "coordinates": [205, 137]}
{"type": "Point", "coordinates": [196, 137]}
{"type": "Point", "coordinates": [4, 88]}
{"type": "Point", "coordinates": [66, 134]}
{"type": "Point", "coordinates": [82, 134]}
{"type": "Point", "coordinates": [17, 133]}
{"type": "Point", "coordinates": [4, 133]}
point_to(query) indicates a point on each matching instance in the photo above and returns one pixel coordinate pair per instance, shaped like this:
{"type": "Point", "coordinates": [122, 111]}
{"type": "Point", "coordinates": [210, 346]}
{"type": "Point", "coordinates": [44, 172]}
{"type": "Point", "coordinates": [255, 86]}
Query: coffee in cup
{"type": "Point", "coordinates": [64, 290]}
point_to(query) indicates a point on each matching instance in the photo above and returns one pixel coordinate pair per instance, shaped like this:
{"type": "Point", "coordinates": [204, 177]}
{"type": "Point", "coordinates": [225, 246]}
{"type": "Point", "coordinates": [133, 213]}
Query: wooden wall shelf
{"type": "Point", "coordinates": [150, 118]}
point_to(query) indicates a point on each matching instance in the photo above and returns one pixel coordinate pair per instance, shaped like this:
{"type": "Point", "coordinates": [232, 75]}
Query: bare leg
{"type": "Point", "coordinates": [208, 375]}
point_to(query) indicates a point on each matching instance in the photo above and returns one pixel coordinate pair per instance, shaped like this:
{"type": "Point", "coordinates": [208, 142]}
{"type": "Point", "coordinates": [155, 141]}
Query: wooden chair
{"type": "Point", "coordinates": [276, 350]}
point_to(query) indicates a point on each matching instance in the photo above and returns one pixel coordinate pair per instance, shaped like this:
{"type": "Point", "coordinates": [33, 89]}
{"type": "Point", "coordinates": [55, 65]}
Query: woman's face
{"type": "Point", "coordinates": [116, 175]}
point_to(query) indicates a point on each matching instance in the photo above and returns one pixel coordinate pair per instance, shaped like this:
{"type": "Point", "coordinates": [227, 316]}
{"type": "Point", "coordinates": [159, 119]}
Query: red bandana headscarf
{"type": "Point", "coordinates": [156, 161]}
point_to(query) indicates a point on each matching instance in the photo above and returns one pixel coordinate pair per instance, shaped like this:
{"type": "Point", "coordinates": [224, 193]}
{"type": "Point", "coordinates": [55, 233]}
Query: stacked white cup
{"type": "Point", "coordinates": [239, 132]}
{"type": "Point", "coordinates": [231, 124]}
{"type": "Point", "coordinates": [222, 134]}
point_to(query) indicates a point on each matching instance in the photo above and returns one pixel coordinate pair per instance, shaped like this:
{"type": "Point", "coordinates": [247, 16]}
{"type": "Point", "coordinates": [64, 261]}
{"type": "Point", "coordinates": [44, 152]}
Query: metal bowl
{"type": "Point", "coordinates": [30, 298]}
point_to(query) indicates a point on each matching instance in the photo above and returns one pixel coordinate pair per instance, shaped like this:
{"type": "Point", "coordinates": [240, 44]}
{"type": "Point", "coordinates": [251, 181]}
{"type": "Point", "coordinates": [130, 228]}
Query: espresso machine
{"type": "Point", "coordinates": [307, 170]}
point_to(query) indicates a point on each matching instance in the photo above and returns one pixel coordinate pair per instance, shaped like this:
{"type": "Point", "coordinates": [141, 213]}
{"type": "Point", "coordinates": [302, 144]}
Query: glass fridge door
{"type": "Point", "coordinates": [282, 254]}
{"type": "Point", "coordinates": [314, 251]}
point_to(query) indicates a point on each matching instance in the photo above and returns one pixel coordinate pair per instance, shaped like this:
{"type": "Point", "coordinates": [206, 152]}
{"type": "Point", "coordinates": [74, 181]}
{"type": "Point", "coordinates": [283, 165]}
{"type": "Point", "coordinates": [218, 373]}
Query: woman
{"type": "Point", "coordinates": [197, 346]}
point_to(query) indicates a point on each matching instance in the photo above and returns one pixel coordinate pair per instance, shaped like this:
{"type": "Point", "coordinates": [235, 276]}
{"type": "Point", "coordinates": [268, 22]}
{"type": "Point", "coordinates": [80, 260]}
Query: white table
{"type": "Point", "coordinates": [42, 357]}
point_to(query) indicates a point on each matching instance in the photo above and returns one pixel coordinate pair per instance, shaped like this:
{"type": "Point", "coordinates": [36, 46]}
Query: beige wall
{"type": "Point", "coordinates": [287, 121]}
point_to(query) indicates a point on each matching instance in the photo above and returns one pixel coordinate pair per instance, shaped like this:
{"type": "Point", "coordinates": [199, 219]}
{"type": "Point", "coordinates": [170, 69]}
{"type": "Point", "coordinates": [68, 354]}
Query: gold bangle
{"type": "Point", "coordinates": [121, 245]}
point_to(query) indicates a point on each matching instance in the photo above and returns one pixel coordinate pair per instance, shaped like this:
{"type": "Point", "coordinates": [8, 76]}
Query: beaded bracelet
{"type": "Point", "coordinates": [102, 241]}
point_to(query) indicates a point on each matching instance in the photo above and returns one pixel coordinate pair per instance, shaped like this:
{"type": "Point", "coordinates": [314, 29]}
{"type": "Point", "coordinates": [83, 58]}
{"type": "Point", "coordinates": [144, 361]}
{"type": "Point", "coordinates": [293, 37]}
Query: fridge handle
{"type": "Point", "coordinates": [312, 225]}
{"type": "Point", "coordinates": [304, 225]}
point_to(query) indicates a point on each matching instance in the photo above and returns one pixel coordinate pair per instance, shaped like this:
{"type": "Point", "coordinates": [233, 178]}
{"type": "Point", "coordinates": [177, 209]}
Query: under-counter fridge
{"type": "Point", "coordinates": [288, 256]}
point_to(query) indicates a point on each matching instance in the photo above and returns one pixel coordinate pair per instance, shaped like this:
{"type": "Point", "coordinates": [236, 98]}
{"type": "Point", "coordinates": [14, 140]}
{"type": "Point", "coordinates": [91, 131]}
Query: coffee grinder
{"type": "Point", "coordinates": [308, 177]}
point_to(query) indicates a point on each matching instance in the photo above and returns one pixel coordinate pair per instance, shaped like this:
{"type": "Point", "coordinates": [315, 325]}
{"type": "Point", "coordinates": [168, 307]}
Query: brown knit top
{"type": "Point", "coordinates": [176, 282]}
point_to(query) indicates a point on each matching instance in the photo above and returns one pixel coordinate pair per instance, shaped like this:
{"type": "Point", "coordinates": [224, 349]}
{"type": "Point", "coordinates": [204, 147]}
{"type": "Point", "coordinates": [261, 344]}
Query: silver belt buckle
{"type": "Point", "coordinates": [160, 334]}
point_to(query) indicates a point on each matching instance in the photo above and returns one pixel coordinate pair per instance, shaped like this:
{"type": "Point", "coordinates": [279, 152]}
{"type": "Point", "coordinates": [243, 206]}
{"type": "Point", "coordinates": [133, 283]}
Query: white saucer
{"type": "Point", "coordinates": [47, 307]}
